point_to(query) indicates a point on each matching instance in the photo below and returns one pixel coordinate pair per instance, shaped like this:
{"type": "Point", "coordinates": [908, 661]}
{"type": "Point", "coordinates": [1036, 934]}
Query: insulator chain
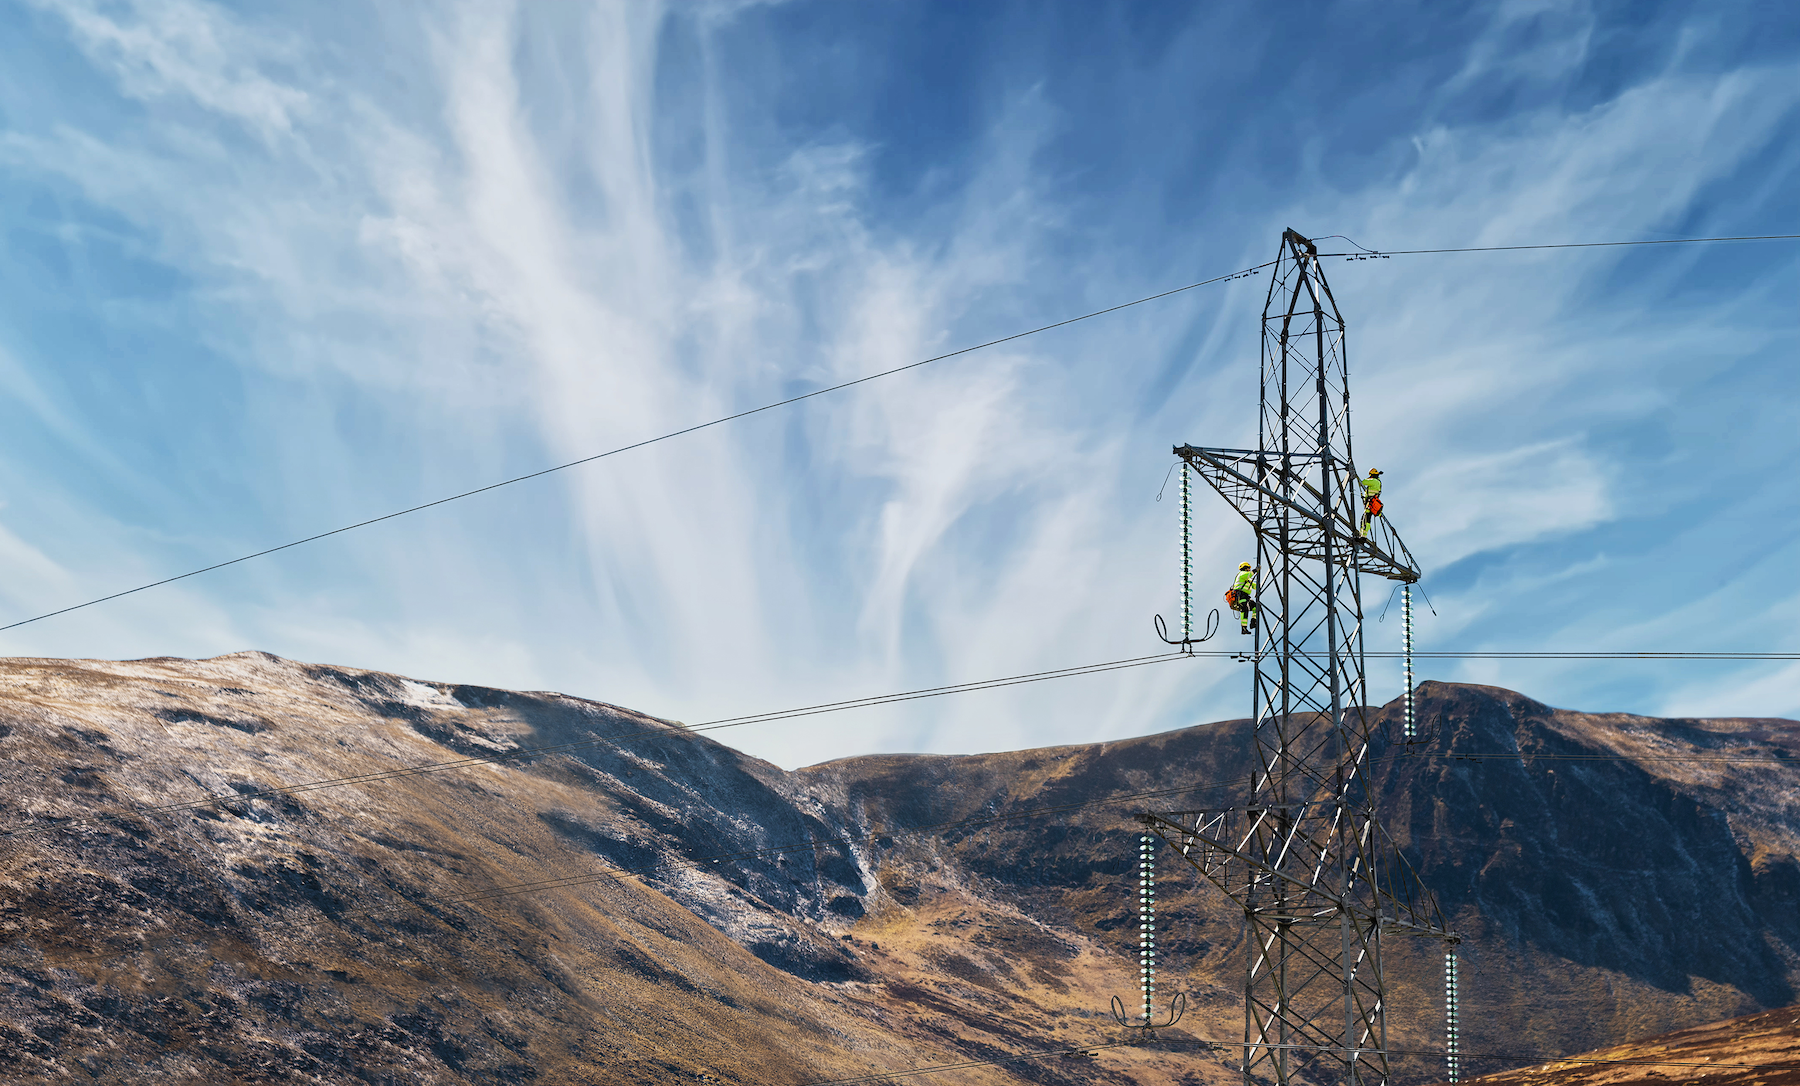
{"type": "Point", "coordinates": [1452, 1061]}
{"type": "Point", "coordinates": [1412, 726]}
{"type": "Point", "coordinates": [1147, 922]}
{"type": "Point", "coordinates": [1187, 556]}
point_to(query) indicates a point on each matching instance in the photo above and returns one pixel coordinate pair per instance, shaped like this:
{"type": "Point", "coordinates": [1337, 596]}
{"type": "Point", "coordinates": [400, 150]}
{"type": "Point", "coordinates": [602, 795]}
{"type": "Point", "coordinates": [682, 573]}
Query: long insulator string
{"type": "Point", "coordinates": [1412, 729]}
{"type": "Point", "coordinates": [1147, 922]}
{"type": "Point", "coordinates": [1187, 560]}
{"type": "Point", "coordinates": [1452, 1062]}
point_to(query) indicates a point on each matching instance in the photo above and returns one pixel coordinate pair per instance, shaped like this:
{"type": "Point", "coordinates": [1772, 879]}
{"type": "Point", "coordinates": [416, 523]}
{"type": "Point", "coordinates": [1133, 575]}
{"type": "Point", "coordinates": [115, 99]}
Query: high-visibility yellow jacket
{"type": "Point", "coordinates": [1246, 582]}
{"type": "Point", "coordinates": [1371, 485]}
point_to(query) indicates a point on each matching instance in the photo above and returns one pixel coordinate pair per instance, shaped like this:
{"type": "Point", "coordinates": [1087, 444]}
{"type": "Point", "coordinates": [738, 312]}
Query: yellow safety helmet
{"type": "Point", "coordinates": [1244, 565]}
{"type": "Point", "coordinates": [1374, 471]}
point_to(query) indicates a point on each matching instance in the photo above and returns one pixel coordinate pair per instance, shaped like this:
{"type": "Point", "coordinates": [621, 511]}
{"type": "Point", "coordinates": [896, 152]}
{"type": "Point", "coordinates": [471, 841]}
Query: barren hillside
{"type": "Point", "coordinates": [1753, 1050]}
{"type": "Point", "coordinates": [249, 869]}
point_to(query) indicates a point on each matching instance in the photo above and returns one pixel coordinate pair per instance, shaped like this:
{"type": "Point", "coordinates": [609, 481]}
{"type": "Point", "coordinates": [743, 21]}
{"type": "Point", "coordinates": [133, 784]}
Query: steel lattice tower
{"type": "Point", "coordinates": [1319, 881]}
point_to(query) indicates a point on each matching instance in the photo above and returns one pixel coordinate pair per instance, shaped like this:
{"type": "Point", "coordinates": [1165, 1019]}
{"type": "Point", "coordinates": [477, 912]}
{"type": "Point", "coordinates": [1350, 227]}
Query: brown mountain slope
{"type": "Point", "coordinates": [1614, 876]}
{"type": "Point", "coordinates": [472, 924]}
{"type": "Point", "coordinates": [314, 936]}
{"type": "Point", "coordinates": [374, 932]}
{"type": "Point", "coordinates": [1754, 1050]}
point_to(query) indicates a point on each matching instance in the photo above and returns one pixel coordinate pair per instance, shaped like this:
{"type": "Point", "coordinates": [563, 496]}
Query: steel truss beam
{"type": "Point", "coordinates": [1255, 482]}
{"type": "Point", "coordinates": [1319, 881]}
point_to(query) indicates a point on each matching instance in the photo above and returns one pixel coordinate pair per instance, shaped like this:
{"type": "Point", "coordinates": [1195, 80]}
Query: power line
{"type": "Point", "coordinates": [1558, 245]}
{"type": "Point", "coordinates": [523, 753]}
{"type": "Point", "coordinates": [1530, 654]}
{"type": "Point", "coordinates": [1578, 654]}
{"type": "Point", "coordinates": [634, 445]}
{"type": "Point", "coordinates": [836, 388]}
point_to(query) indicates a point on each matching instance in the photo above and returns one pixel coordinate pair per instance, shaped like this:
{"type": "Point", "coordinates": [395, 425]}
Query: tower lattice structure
{"type": "Point", "coordinates": [1320, 882]}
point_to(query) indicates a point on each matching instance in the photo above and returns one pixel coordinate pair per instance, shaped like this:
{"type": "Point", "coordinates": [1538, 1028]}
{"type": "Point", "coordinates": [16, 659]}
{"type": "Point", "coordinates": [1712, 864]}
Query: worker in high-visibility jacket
{"type": "Point", "coordinates": [1371, 488]}
{"type": "Point", "coordinates": [1241, 597]}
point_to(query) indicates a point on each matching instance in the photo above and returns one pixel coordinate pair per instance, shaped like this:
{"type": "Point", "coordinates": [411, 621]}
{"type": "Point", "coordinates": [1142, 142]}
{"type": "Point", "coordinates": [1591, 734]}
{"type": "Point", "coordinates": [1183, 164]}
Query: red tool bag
{"type": "Point", "coordinates": [1236, 600]}
{"type": "Point", "coordinates": [1374, 507]}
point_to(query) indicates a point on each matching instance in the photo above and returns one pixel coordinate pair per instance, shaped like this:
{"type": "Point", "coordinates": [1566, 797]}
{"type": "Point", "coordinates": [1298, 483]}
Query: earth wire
{"type": "Point", "coordinates": [1366, 252]}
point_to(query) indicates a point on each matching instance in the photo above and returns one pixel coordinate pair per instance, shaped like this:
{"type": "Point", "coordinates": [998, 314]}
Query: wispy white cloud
{"type": "Point", "coordinates": [1466, 504]}
{"type": "Point", "coordinates": [1771, 693]}
{"type": "Point", "coordinates": [191, 51]}
{"type": "Point", "coordinates": [510, 268]}
{"type": "Point", "coordinates": [1494, 390]}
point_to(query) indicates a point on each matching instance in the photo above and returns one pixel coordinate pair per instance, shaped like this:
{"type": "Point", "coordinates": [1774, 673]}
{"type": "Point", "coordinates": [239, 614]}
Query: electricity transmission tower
{"type": "Point", "coordinates": [1319, 881]}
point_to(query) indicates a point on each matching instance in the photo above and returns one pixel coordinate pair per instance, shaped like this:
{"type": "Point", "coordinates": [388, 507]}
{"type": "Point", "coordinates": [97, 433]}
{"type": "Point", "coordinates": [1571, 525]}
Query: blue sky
{"type": "Point", "coordinates": [274, 268]}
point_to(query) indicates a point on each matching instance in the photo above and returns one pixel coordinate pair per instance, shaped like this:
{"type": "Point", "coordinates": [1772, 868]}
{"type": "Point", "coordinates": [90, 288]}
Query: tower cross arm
{"type": "Point", "coordinates": [1205, 839]}
{"type": "Point", "coordinates": [1401, 926]}
{"type": "Point", "coordinates": [1261, 484]}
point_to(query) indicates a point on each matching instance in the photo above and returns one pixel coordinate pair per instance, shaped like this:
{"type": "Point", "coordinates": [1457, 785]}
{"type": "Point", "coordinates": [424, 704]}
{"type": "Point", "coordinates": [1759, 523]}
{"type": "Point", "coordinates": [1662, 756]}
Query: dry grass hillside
{"type": "Point", "coordinates": [1754, 1050]}
{"type": "Point", "coordinates": [249, 869]}
{"type": "Point", "coordinates": [1613, 876]}
{"type": "Point", "coordinates": [169, 916]}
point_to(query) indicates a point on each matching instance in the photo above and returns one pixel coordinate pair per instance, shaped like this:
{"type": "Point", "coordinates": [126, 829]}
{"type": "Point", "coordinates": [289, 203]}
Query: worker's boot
{"type": "Point", "coordinates": [1243, 629]}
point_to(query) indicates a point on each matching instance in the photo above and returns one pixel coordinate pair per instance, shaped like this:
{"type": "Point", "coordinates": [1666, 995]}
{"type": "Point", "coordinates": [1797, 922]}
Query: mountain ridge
{"type": "Point", "coordinates": [471, 925]}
